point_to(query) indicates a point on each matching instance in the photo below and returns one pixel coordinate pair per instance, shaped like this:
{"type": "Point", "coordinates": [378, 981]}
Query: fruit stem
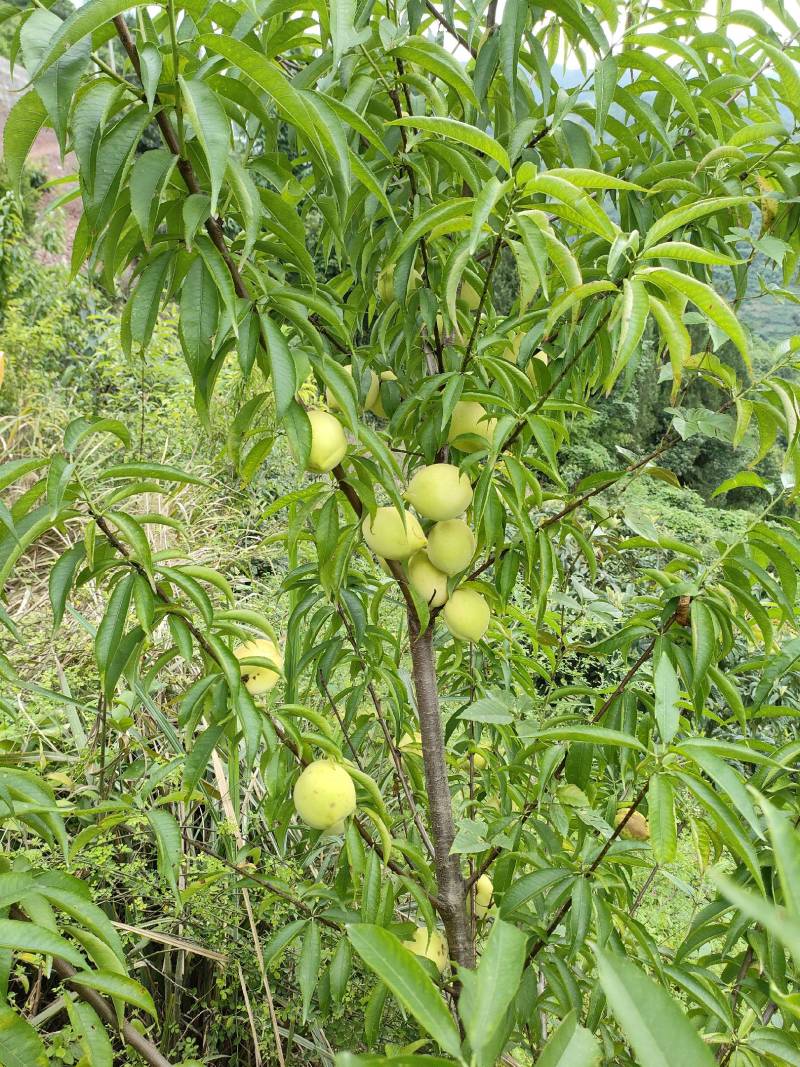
{"type": "Point", "coordinates": [452, 892]}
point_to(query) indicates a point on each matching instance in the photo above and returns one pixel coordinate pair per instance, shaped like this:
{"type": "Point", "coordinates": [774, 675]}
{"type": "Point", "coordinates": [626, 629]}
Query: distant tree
{"type": "Point", "coordinates": [434, 563]}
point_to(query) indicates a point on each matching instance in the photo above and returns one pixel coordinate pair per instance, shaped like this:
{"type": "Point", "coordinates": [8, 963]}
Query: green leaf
{"type": "Point", "coordinates": [298, 432]}
{"type": "Point", "coordinates": [437, 60]}
{"type": "Point", "coordinates": [661, 817]}
{"type": "Point", "coordinates": [744, 479]}
{"type": "Point", "coordinates": [81, 428]}
{"type": "Point", "coordinates": [168, 839]}
{"type": "Point", "coordinates": [196, 209]}
{"type": "Point", "coordinates": [775, 921]}
{"type": "Point", "coordinates": [161, 472]}
{"type": "Point", "coordinates": [118, 986]}
{"type": "Point", "coordinates": [22, 126]}
{"type": "Point", "coordinates": [296, 107]}
{"type": "Point", "coordinates": [704, 639]}
{"type": "Point", "coordinates": [488, 991]}
{"type": "Point", "coordinates": [91, 1033]}
{"type": "Point", "coordinates": [574, 296]}
{"type": "Point", "coordinates": [679, 343]}
{"type": "Point", "coordinates": [18, 468]}
{"type": "Point", "coordinates": [20, 1045]}
{"type": "Point", "coordinates": [114, 153]}
{"type": "Point", "coordinates": [786, 847]}
{"type": "Point", "coordinates": [634, 311]}
{"type": "Point", "coordinates": [135, 536]}
{"type": "Point", "coordinates": [512, 26]}
{"type": "Point", "coordinates": [282, 368]}
{"type": "Point", "coordinates": [212, 129]}
{"type": "Point", "coordinates": [249, 202]}
{"type": "Point", "coordinates": [529, 886]}
{"type": "Point", "coordinates": [341, 14]}
{"type": "Point", "coordinates": [218, 269]}
{"type": "Point", "coordinates": [484, 205]}
{"type": "Point", "coordinates": [462, 132]}
{"type": "Point", "coordinates": [282, 939]}
{"type": "Point", "coordinates": [725, 823]}
{"type": "Point", "coordinates": [571, 1045]}
{"type": "Point", "coordinates": [605, 82]}
{"type": "Point", "coordinates": [730, 750]}
{"type": "Point", "coordinates": [407, 979]}
{"type": "Point", "coordinates": [688, 253]}
{"type": "Point", "coordinates": [707, 301]}
{"type": "Point", "coordinates": [658, 1031]}
{"type": "Point", "coordinates": [673, 84]}
{"type": "Point", "coordinates": [112, 625]}
{"type": "Point", "coordinates": [597, 735]}
{"type": "Point", "coordinates": [57, 86]}
{"type": "Point", "coordinates": [682, 216]}
{"type": "Point", "coordinates": [434, 216]}
{"type": "Point", "coordinates": [29, 530]}
{"type": "Point", "coordinates": [579, 208]}
{"type": "Point", "coordinates": [199, 317]}
{"type": "Point", "coordinates": [349, 1059]}
{"type": "Point", "coordinates": [197, 760]}
{"type": "Point", "coordinates": [149, 175]}
{"type": "Point", "coordinates": [668, 691]}
{"type": "Point", "coordinates": [80, 24]}
{"type": "Point", "coordinates": [308, 966]}
{"type": "Point", "coordinates": [22, 936]}
{"type": "Point", "coordinates": [580, 18]}
{"type": "Point", "coordinates": [151, 65]}
{"type": "Point", "coordinates": [96, 948]}
{"type": "Point", "coordinates": [71, 896]}
{"type": "Point", "coordinates": [145, 303]}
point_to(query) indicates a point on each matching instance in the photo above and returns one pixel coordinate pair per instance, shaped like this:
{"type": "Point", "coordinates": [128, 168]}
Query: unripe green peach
{"type": "Point", "coordinates": [432, 947]}
{"type": "Point", "coordinates": [542, 357]}
{"type": "Point", "coordinates": [388, 537]}
{"type": "Point", "coordinates": [636, 828]}
{"type": "Point", "coordinates": [376, 407]}
{"type": "Point", "coordinates": [324, 794]}
{"type": "Point", "coordinates": [372, 392]}
{"type": "Point", "coordinates": [386, 286]}
{"type": "Point", "coordinates": [484, 889]}
{"type": "Point", "coordinates": [386, 283]}
{"type": "Point", "coordinates": [439, 491]}
{"type": "Point", "coordinates": [511, 351]}
{"type": "Point", "coordinates": [469, 419]}
{"type": "Point", "coordinates": [451, 546]}
{"type": "Point", "coordinates": [427, 581]}
{"type": "Point", "coordinates": [466, 615]}
{"type": "Point", "coordinates": [328, 442]}
{"type": "Point", "coordinates": [259, 680]}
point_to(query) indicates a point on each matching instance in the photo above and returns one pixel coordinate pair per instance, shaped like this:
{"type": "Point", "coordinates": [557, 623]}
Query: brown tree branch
{"type": "Point", "coordinates": [540, 942]}
{"type": "Point", "coordinates": [146, 1049]}
{"type": "Point", "coordinates": [285, 739]}
{"type": "Point", "coordinates": [451, 29]}
{"type": "Point", "coordinates": [618, 690]}
{"type": "Point", "coordinates": [393, 751]}
{"type": "Point", "coordinates": [450, 881]}
{"type": "Point", "coordinates": [497, 244]}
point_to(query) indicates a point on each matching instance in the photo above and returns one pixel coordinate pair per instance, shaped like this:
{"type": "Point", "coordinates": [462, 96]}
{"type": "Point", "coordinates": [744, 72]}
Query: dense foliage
{"type": "Point", "coordinates": [497, 698]}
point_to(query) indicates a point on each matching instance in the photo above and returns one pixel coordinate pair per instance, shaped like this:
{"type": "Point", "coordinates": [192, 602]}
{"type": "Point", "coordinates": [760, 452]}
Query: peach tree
{"type": "Point", "coordinates": [477, 832]}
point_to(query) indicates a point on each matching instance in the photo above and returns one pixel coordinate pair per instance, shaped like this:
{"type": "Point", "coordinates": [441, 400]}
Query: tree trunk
{"type": "Point", "coordinates": [451, 884]}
